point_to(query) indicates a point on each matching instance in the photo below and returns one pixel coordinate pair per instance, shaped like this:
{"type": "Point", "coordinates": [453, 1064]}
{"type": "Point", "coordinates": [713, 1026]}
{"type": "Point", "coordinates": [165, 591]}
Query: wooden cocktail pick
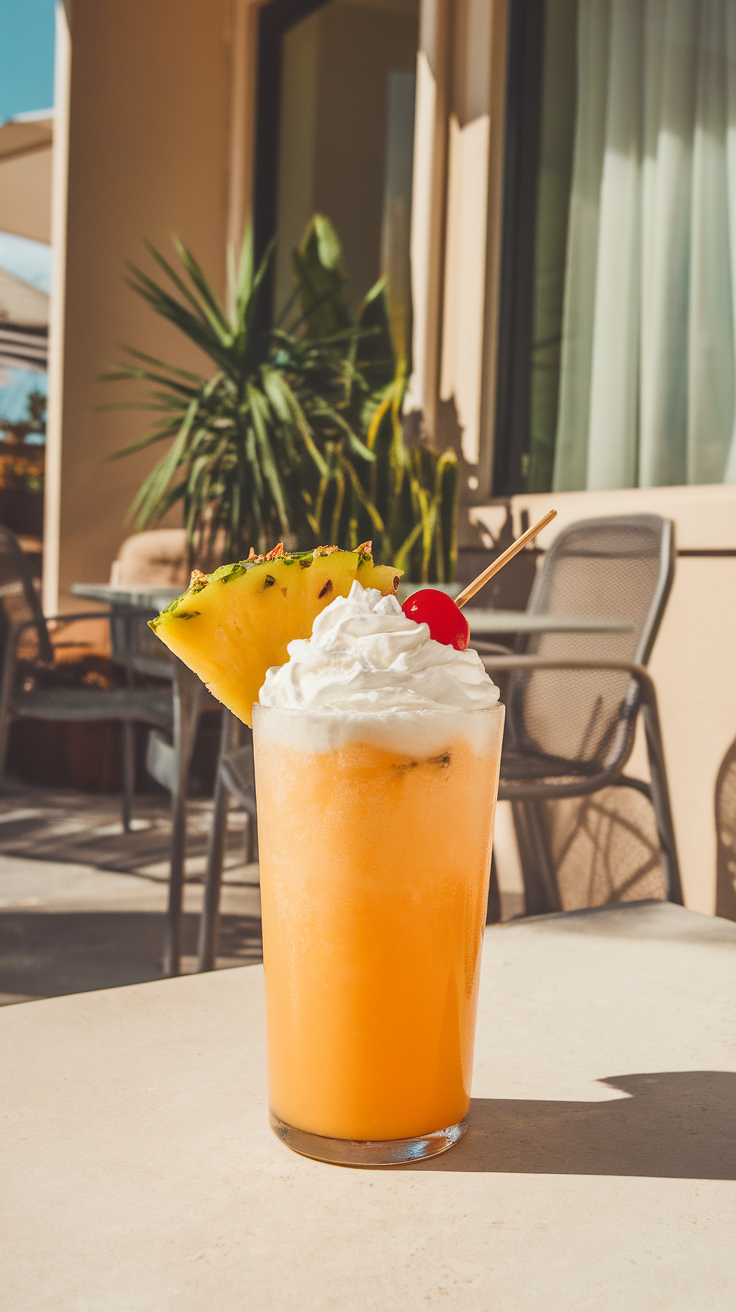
{"type": "Point", "coordinates": [504, 559]}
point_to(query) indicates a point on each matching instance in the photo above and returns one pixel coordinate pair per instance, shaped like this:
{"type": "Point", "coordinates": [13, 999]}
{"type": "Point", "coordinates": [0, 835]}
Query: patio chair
{"type": "Point", "coordinates": [26, 649]}
{"type": "Point", "coordinates": [158, 555]}
{"type": "Point", "coordinates": [236, 776]}
{"type": "Point", "coordinates": [573, 701]}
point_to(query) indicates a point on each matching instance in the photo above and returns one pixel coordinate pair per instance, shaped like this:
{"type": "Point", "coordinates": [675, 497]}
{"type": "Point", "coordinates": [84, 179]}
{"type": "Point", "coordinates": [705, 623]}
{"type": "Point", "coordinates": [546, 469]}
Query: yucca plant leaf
{"type": "Point", "coordinates": [321, 280]}
{"type": "Point", "coordinates": [170, 498]}
{"type": "Point", "coordinates": [162, 364]}
{"type": "Point", "coordinates": [446, 481]}
{"type": "Point", "coordinates": [107, 406]}
{"type": "Point", "coordinates": [259, 411]}
{"type": "Point", "coordinates": [276, 385]}
{"type": "Point", "coordinates": [339, 480]}
{"type": "Point", "coordinates": [205, 306]}
{"type": "Point", "coordinates": [334, 415]}
{"type": "Point", "coordinates": [401, 556]}
{"type": "Point", "coordinates": [146, 503]}
{"type": "Point", "coordinates": [208, 302]}
{"type": "Point", "coordinates": [374, 348]}
{"type": "Point", "coordinates": [380, 411]}
{"type": "Point", "coordinates": [299, 429]}
{"type": "Point", "coordinates": [363, 498]}
{"type": "Point", "coordinates": [126, 373]}
{"type": "Point", "coordinates": [192, 325]}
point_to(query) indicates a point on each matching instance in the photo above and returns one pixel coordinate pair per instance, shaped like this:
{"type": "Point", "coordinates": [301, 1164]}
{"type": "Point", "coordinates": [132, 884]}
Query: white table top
{"type": "Point", "coordinates": [140, 1174]}
{"type": "Point", "coordinates": [519, 621]}
{"type": "Point", "coordinates": [156, 597]}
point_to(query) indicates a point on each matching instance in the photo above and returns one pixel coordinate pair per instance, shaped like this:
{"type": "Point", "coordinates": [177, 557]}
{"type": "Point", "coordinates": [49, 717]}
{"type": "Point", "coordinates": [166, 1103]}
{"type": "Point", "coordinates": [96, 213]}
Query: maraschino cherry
{"type": "Point", "coordinates": [446, 621]}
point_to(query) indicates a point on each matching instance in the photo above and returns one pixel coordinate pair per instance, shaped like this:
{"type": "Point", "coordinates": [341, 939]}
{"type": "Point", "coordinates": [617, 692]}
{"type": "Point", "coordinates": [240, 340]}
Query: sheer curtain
{"type": "Point", "coordinates": [648, 366]}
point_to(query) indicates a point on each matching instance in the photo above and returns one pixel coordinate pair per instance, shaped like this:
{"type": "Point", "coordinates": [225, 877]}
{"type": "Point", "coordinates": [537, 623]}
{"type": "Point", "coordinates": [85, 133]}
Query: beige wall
{"type": "Point", "coordinates": [456, 225]}
{"type": "Point", "coordinates": [458, 167]}
{"type": "Point", "coordinates": [149, 143]}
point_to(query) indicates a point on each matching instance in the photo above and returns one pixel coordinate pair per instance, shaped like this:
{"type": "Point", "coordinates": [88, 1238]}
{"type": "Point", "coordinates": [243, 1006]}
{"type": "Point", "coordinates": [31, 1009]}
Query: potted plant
{"type": "Point", "coordinates": [298, 432]}
{"type": "Point", "coordinates": [412, 488]}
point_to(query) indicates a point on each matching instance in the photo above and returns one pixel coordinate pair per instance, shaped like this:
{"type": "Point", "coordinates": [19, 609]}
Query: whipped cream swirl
{"type": "Point", "coordinates": [365, 657]}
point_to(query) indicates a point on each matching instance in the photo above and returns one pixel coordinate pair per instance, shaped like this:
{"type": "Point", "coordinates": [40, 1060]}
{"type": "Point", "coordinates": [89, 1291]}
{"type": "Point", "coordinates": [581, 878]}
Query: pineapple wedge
{"type": "Point", "coordinates": [231, 626]}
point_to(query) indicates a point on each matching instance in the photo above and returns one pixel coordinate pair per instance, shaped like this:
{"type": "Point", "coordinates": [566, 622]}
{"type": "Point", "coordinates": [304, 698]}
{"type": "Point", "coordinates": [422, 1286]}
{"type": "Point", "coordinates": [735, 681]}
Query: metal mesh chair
{"type": "Point", "coordinates": [236, 776]}
{"type": "Point", "coordinates": [573, 701]}
{"type": "Point", "coordinates": [27, 659]}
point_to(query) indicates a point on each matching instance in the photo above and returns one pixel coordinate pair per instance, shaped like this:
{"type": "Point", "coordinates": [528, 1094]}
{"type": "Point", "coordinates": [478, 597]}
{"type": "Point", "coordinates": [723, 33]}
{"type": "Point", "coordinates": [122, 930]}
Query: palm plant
{"type": "Point", "coordinates": [298, 434]}
{"type": "Point", "coordinates": [258, 445]}
{"type": "Point", "coordinates": [411, 490]}
{"type": "Point", "coordinates": [414, 490]}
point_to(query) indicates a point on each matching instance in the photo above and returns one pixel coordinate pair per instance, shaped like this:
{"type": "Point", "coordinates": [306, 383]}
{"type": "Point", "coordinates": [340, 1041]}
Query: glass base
{"type": "Point", "coordinates": [368, 1152]}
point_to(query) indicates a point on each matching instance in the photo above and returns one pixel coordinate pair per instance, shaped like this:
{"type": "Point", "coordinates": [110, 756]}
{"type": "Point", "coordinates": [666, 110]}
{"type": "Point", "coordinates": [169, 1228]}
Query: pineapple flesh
{"type": "Point", "coordinates": [233, 625]}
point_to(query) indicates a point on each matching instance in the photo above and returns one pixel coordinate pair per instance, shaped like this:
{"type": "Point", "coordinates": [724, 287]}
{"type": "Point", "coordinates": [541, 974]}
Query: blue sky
{"type": "Point", "coordinates": [26, 56]}
{"type": "Point", "coordinates": [26, 83]}
{"type": "Point", "coordinates": [29, 260]}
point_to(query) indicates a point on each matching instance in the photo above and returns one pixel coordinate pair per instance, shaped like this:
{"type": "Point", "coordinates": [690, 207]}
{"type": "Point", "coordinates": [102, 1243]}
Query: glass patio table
{"type": "Point", "coordinates": [139, 1170]}
{"type": "Point", "coordinates": [169, 765]}
{"type": "Point", "coordinates": [485, 623]}
{"type": "Point", "coordinates": [482, 621]}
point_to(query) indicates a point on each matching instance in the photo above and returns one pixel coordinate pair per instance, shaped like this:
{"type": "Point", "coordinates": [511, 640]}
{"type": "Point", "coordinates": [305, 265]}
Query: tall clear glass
{"type": "Point", "coordinates": [375, 837]}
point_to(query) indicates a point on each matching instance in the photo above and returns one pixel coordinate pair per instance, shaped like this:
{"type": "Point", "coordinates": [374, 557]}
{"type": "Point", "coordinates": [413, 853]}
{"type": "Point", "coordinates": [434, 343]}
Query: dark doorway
{"type": "Point", "coordinates": [335, 134]}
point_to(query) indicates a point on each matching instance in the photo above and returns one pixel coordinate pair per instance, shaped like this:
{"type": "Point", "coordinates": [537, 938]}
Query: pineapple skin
{"type": "Point", "coordinates": [233, 625]}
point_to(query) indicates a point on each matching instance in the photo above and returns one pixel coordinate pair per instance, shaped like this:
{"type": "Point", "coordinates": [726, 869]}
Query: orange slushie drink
{"type": "Point", "coordinates": [375, 822]}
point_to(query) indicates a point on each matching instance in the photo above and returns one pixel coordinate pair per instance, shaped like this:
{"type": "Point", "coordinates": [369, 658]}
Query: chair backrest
{"type": "Point", "coordinates": [156, 556]}
{"type": "Point", "coordinates": [135, 646]}
{"type": "Point", "coordinates": [238, 768]}
{"type": "Point", "coordinates": [19, 603]}
{"type": "Point", "coordinates": [619, 568]}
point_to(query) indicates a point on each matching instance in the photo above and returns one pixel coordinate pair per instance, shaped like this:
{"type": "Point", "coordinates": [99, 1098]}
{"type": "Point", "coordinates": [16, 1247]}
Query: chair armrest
{"type": "Point", "coordinates": [655, 746]}
{"type": "Point", "coordinates": [11, 649]}
{"type": "Point", "coordinates": [10, 663]}
{"type": "Point", "coordinates": [81, 615]}
{"type": "Point", "coordinates": [13, 638]}
{"type": "Point", "coordinates": [490, 648]}
{"type": "Point", "coordinates": [637, 672]}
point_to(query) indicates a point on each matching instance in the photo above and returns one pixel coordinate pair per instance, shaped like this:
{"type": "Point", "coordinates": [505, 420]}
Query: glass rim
{"type": "Point", "coordinates": [424, 711]}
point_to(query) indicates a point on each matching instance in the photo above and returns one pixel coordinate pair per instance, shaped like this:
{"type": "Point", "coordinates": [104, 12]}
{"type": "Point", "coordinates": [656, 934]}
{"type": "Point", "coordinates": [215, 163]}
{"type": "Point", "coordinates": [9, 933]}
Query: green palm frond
{"type": "Point", "coordinates": [295, 432]}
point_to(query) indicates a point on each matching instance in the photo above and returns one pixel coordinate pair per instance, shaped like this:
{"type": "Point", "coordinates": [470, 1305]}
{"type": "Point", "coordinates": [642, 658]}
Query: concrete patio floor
{"type": "Point", "coordinates": [82, 903]}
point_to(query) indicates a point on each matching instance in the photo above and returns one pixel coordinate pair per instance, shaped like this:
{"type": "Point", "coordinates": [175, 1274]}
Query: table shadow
{"type": "Point", "coordinates": [50, 953]}
{"type": "Point", "coordinates": [674, 1124]}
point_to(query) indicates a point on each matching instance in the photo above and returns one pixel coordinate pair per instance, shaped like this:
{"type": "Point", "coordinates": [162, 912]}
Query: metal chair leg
{"type": "Point", "coordinates": [209, 922]}
{"type": "Point", "coordinates": [661, 802]}
{"type": "Point", "coordinates": [187, 692]}
{"type": "Point", "coordinates": [541, 894]}
{"type": "Point", "coordinates": [6, 685]}
{"type": "Point", "coordinates": [493, 907]}
{"type": "Point", "coordinates": [251, 847]}
{"type": "Point", "coordinates": [4, 736]}
{"type": "Point", "coordinates": [128, 773]}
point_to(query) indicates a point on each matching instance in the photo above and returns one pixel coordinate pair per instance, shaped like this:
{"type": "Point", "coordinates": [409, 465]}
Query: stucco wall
{"type": "Point", "coordinates": [148, 155]}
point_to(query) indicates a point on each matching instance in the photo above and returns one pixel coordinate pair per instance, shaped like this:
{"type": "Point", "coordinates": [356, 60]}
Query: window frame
{"type": "Point", "coordinates": [518, 232]}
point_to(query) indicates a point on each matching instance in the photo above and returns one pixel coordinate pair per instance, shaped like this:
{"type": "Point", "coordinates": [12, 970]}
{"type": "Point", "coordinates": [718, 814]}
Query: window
{"type": "Point", "coordinates": [335, 136]}
{"type": "Point", "coordinates": [619, 252]}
